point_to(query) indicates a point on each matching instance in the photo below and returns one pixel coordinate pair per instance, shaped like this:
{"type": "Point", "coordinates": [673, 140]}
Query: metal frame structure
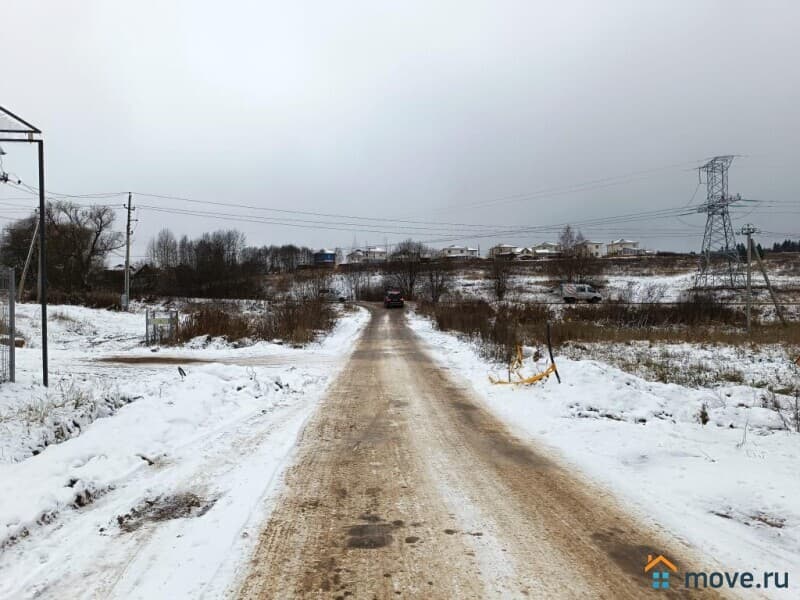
{"type": "Point", "coordinates": [720, 264]}
{"type": "Point", "coordinates": [14, 129]}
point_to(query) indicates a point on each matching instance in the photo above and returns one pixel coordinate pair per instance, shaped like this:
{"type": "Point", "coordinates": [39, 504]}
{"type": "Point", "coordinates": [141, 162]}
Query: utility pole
{"type": "Point", "coordinates": [749, 230]}
{"type": "Point", "coordinates": [127, 294]}
{"type": "Point", "coordinates": [772, 295]}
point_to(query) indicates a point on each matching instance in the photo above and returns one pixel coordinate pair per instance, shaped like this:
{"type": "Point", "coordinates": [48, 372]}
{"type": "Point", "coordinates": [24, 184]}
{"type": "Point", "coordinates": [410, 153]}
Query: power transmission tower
{"type": "Point", "coordinates": [720, 265]}
{"type": "Point", "coordinates": [127, 295]}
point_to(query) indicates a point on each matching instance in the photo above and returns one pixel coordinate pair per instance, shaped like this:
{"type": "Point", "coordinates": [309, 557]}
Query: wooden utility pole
{"type": "Point", "coordinates": [127, 295]}
{"type": "Point", "coordinates": [772, 295]}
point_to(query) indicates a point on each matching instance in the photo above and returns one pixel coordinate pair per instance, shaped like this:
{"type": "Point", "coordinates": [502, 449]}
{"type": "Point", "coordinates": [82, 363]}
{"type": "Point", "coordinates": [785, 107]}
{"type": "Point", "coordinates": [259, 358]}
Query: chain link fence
{"type": "Point", "coordinates": [7, 325]}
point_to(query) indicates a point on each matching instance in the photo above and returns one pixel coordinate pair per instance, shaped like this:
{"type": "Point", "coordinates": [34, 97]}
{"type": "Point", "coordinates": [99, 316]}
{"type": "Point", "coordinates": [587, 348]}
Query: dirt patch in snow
{"type": "Point", "coordinates": [152, 360]}
{"type": "Point", "coordinates": [165, 508]}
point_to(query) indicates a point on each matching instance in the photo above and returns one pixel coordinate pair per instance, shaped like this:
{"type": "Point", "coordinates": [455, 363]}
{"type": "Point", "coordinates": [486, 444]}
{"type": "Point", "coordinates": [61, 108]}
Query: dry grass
{"type": "Point", "coordinates": [498, 328]}
{"type": "Point", "coordinates": [295, 322]}
{"type": "Point", "coordinates": [698, 320]}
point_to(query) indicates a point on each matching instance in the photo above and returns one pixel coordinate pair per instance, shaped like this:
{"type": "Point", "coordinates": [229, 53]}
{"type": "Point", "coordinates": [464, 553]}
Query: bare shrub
{"type": "Point", "coordinates": [356, 278]}
{"type": "Point", "coordinates": [499, 330]}
{"type": "Point", "coordinates": [372, 293]}
{"type": "Point", "coordinates": [214, 321]}
{"type": "Point", "coordinates": [437, 278]}
{"type": "Point", "coordinates": [293, 322]}
{"type": "Point", "coordinates": [500, 273]}
{"type": "Point", "coordinates": [697, 309]}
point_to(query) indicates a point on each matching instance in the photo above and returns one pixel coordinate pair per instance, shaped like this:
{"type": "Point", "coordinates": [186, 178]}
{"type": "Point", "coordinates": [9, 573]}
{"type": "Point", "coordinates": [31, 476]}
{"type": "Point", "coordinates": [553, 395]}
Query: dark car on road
{"type": "Point", "coordinates": [393, 298]}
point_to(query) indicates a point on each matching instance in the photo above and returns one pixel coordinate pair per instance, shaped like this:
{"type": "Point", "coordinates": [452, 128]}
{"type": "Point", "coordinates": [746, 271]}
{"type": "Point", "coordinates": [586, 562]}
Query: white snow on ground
{"type": "Point", "coordinates": [732, 495]}
{"type": "Point", "coordinates": [223, 433]}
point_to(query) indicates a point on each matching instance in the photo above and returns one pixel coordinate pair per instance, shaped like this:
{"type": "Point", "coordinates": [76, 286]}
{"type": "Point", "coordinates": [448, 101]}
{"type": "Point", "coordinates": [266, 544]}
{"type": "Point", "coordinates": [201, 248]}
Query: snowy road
{"type": "Point", "coordinates": [404, 485]}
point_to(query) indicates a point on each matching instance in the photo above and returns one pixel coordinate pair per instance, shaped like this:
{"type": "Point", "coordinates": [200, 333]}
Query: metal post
{"type": "Point", "coordinates": [12, 329]}
{"type": "Point", "coordinates": [42, 262]}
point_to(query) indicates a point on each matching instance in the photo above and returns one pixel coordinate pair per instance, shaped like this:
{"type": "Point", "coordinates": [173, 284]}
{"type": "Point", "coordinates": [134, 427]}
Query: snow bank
{"type": "Point", "coordinates": [730, 487]}
{"type": "Point", "coordinates": [222, 434]}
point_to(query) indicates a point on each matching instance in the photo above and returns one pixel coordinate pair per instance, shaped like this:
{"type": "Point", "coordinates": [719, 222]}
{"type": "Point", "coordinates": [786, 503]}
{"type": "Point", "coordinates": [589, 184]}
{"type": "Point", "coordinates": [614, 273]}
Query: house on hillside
{"type": "Point", "coordinates": [458, 252]}
{"type": "Point", "coordinates": [590, 248]}
{"type": "Point", "coordinates": [623, 247]}
{"type": "Point", "coordinates": [370, 254]}
{"type": "Point", "coordinates": [504, 251]}
{"type": "Point", "coordinates": [324, 258]}
{"type": "Point", "coordinates": [144, 279]}
{"type": "Point", "coordinates": [375, 254]}
{"type": "Point", "coordinates": [546, 250]}
{"type": "Point", "coordinates": [355, 257]}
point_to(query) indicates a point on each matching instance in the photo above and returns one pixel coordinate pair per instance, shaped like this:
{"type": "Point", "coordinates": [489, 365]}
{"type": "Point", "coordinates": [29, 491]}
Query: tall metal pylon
{"type": "Point", "coordinates": [720, 264]}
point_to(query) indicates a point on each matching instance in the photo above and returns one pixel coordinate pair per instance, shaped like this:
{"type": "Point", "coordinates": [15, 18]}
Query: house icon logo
{"type": "Point", "coordinates": [659, 568]}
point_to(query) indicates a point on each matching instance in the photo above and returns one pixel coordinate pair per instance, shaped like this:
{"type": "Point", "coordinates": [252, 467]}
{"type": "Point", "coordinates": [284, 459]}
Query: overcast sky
{"type": "Point", "coordinates": [439, 112]}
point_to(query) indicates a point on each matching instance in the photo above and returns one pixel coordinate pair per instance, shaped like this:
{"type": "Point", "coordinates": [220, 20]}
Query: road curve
{"type": "Point", "coordinates": [404, 486]}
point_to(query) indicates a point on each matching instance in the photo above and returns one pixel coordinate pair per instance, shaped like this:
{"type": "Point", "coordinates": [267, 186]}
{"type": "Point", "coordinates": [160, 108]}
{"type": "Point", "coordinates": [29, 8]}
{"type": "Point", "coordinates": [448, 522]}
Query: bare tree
{"type": "Point", "coordinates": [568, 239]}
{"type": "Point", "coordinates": [404, 266]}
{"type": "Point", "coordinates": [356, 277]}
{"type": "Point", "coordinates": [82, 238]}
{"type": "Point", "coordinates": [576, 262]}
{"type": "Point", "coordinates": [500, 275]}
{"type": "Point", "coordinates": [162, 251]}
{"type": "Point", "coordinates": [437, 279]}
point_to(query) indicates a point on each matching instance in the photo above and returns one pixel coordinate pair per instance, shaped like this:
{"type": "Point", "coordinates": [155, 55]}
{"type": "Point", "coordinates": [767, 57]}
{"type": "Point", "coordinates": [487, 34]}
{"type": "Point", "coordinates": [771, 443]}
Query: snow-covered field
{"type": "Point", "coordinates": [94, 470]}
{"type": "Point", "coordinates": [730, 487]}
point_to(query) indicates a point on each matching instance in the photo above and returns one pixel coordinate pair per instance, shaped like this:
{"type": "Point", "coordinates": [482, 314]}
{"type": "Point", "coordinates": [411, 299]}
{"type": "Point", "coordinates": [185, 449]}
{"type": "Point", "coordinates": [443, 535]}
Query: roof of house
{"type": "Point", "coordinates": [623, 241]}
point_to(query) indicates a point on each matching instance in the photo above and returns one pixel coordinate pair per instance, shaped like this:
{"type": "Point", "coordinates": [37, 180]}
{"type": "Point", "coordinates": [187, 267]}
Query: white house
{"type": "Point", "coordinates": [370, 254]}
{"type": "Point", "coordinates": [375, 254]}
{"type": "Point", "coordinates": [355, 257]}
{"type": "Point", "coordinates": [457, 252]}
{"type": "Point", "coordinates": [503, 251]}
{"type": "Point", "coordinates": [546, 250]}
{"type": "Point", "coordinates": [591, 248]}
{"type": "Point", "coordinates": [623, 247]}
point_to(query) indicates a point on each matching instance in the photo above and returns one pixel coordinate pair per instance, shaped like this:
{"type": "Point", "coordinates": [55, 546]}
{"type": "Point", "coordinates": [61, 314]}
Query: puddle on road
{"type": "Point", "coordinates": [373, 534]}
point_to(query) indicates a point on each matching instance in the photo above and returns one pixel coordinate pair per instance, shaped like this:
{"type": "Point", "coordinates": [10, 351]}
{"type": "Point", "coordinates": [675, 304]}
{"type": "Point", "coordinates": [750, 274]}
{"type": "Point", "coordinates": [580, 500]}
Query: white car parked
{"type": "Point", "coordinates": [574, 292]}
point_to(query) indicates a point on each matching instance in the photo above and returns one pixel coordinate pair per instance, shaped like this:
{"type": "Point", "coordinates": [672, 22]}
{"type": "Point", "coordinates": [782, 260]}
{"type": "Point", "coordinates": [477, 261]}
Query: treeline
{"type": "Point", "coordinates": [786, 246]}
{"type": "Point", "coordinates": [214, 265]}
{"type": "Point", "coordinates": [79, 240]}
{"type": "Point", "coordinates": [777, 248]}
